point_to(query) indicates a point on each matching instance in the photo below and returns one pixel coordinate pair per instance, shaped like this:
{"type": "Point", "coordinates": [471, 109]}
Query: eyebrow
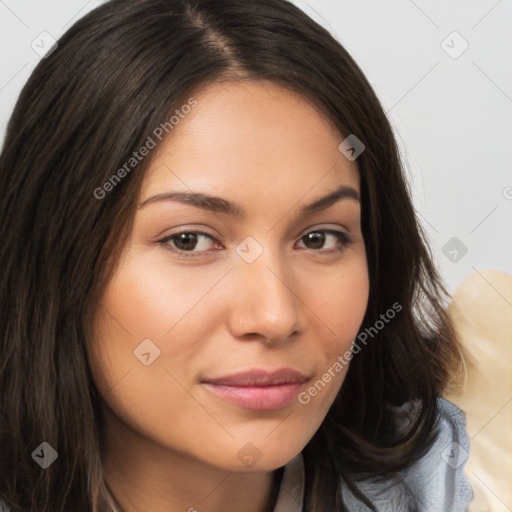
{"type": "Point", "coordinates": [220, 205]}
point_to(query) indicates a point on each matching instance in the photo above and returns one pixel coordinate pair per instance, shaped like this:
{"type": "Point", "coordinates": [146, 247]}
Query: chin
{"type": "Point", "coordinates": [258, 455]}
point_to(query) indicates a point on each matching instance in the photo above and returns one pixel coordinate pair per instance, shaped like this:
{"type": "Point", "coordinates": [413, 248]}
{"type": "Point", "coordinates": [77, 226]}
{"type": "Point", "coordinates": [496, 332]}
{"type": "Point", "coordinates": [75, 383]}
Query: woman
{"type": "Point", "coordinates": [215, 292]}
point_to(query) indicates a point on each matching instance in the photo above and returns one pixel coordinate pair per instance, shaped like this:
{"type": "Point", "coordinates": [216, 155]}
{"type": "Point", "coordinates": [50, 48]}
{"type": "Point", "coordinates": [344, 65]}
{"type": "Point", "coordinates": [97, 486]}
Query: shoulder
{"type": "Point", "coordinates": [436, 482]}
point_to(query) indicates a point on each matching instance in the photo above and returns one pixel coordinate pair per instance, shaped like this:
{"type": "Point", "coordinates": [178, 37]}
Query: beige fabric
{"type": "Point", "coordinates": [482, 313]}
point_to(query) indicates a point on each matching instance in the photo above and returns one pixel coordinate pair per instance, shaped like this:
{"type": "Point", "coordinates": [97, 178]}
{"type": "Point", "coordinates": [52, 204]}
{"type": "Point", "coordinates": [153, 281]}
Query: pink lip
{"type": "Point", "coordinates": [258, 389]}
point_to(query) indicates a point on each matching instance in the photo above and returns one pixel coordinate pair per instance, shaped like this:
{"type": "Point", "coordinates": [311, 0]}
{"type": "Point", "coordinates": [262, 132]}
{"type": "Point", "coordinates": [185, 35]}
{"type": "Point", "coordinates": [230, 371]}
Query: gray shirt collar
{"type": "Point", "coordinates": [291, 492]}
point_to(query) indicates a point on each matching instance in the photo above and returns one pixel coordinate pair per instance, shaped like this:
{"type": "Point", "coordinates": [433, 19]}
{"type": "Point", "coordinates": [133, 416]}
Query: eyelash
{"type": "Point", "coordinates": [342, 237]}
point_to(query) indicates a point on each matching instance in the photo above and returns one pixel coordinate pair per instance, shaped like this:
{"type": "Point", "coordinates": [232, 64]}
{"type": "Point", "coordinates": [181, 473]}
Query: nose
{"type": "Point", "coordinates": [265, 302]}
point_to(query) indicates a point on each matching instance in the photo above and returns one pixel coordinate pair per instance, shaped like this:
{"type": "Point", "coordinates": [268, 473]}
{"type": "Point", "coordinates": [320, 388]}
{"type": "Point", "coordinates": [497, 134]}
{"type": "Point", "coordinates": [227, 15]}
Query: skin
{"type": "Point", "coordinates": [171, 444]}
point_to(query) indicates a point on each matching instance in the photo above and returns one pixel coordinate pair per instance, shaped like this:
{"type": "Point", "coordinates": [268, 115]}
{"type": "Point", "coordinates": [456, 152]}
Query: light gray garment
{"type": "Point", "coordinates": [435, 483]}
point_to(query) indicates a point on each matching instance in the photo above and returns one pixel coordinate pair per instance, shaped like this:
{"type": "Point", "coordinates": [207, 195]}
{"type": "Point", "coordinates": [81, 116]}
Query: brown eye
{"type": "Point", "coordinates": [316, 240]}
{"type": "Point", "coordinates": [192, 242]}
{"type": "Point", "coordinates": [185, 241]}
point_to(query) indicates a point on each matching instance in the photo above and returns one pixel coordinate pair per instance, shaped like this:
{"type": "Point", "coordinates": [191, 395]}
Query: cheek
{"type": "Point", "coordinates": [340, 299]}
{"type": "Point", "coordinates": [341, 303]}
{"type": "Point", "coordinates": [150, 332]}
{"type": "Point", "coordinates": [151, 297]}
{"type": "Point", "coordinates": [144, 352]}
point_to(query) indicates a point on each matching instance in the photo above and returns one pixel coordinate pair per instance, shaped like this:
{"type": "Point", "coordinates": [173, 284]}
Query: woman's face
{"type": "Point", "coordinates": [256, 284]}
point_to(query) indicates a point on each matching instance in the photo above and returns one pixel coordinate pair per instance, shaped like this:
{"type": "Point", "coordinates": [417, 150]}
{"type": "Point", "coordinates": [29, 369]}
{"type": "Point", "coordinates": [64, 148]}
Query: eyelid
{"type": "Point", "coordinates": [181, 253]}
{"type": "Point", "coordinates": [343, 236]}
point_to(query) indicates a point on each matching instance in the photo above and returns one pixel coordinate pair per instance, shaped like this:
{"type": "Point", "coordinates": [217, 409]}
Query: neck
{"type": "Point", "coordinates": [142, 475]}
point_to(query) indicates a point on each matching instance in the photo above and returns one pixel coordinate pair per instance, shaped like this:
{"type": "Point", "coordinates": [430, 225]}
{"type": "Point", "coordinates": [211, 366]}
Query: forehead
{"type": "Point", "coordinates": [251, 137]}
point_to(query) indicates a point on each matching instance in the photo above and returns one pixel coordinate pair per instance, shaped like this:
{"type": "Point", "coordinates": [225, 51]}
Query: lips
{"type": "Point", "coordinates": [260, 378]}
{"type": "Point", "coordinates": [259, 389]}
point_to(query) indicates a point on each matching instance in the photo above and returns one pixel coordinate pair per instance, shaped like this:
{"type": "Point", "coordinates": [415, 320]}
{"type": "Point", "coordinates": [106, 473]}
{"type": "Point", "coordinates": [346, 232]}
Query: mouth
{"type": "Point", "coordinates": [259, 390]}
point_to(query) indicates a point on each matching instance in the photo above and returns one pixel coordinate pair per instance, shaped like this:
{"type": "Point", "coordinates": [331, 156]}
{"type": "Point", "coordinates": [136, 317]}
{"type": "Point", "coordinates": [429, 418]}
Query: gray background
{"type": "Point", "coordinates": [451, 110]}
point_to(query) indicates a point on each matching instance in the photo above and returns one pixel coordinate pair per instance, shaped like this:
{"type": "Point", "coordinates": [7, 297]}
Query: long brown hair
{"type": "Point", "coordinates": [114, 77]}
